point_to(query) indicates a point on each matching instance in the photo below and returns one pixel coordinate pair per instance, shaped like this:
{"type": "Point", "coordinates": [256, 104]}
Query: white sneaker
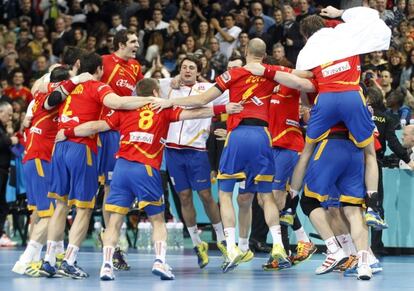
{"type": "Point", "coordinates": [163, 270]}
{"type": "Point", "coordinates": [331, 261]}
{"type": "Point", "coordinates": [107, 273]}
{"type": "Point", "coordinates": [5, 241]}
{"type": "Point", "coordinates": [364, 272]}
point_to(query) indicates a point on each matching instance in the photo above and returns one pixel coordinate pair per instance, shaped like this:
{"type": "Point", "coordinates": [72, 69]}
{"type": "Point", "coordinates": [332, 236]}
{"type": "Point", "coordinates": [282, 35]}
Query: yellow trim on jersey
{"type": "Point", "coordinates": [316, 99]}
{"type": "Point", "coordinates": [147, 155]}
{"type": "Point", "coordinates": [196, 136]}
{"type": "Point", "coordinates": [318, 139]}
{"type": "Point", "coordinates": [56, 196]}
{"type": "Point", "coordinates": [363, 143]}
{"type": "Point", "coordinates": [352, 200]}
{"type": "Point", "coordinates": [227, 139]}
{"type": "Point", "coordinates": [143, 204]}
{"type": "Point", "coordinates": [39, 168]}
{"type": "Point", "coordinates": [319, 197]}
{"type": "Point", "coordinates": [117, 66]}
{"type": "Point", "coordinates": [279, 136]}
{"type": "Point", "coordinates": [48, 212]}
{"type": "Point", "coordinates": [264, 178]}
{"type": "Point", "coordinates": [117, 209]}
{"type": "Point", "coordinates": [268, 135]}
{"type": "Point", "coordinates": [88, 156]}
{"type": "Point", "coordinates": [320, 150]}
{"type": "Point", "coordinates": [149, 170]}
{"type": "Point", "coordinates": [239, 175]}
{"type": "Point", "coordinates": [82, 204]}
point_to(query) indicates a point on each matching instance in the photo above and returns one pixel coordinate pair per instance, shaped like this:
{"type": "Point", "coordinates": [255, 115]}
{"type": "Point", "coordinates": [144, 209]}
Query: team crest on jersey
{"type": "Point", "coordinates": [226, 77]}
{"type": "Point", "coordinates": [110, 113]}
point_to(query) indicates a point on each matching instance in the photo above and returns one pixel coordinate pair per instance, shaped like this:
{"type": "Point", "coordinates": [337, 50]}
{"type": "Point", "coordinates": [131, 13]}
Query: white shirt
{"type": "Point", "coordinates": [189, 133]}
{"type": "Point", "coordinates": [405, 166]}
{"type": "Point", "coordinates": [226, 48]}
{"type": "Point", "coordinates": [362, 32]}
{"type": "Point", "coordinates": [162, 25]}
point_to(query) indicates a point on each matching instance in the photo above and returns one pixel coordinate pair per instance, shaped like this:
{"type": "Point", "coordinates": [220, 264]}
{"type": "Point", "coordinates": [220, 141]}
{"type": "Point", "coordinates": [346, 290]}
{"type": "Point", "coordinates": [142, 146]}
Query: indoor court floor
{"type": "Point", "coordinates": [398, 274]}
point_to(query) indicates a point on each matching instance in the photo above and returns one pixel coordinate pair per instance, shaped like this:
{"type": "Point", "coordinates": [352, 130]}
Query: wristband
{"type": "Point", "coordinates": [219, 109]}
{"type": "Point", "coordinates": [269, 73]}
{"type": "Point", "coordinates": [69, 132]}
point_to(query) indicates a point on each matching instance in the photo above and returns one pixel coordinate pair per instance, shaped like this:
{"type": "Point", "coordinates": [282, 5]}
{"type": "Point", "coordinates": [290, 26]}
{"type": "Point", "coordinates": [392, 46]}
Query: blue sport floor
{"type": "Point", "coordinates": [398, 274]}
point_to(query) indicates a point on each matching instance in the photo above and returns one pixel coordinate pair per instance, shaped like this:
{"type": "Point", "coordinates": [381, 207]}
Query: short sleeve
{"type": "Point", "coordinates": [224, 81]}
{"type": "Point", "coordinates": [113, 119]}
{"type": "Point", "coordinates": [103, 90]}
{"type": "Point", "coordinates": [174, 114]}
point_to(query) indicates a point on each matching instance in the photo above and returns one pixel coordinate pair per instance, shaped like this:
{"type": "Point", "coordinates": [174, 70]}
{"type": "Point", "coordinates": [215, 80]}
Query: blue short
{"type": "Point", "coordinates": [188, 169]}
{"type": "Point", "coordinates": [336, 167]}
{"type": "Point", "coordinates": [247, 155]}
{"type": "Point", "coordinates": [333, 200]}
{"type": "Point", "coordinates": [285, 162]}
{"type": "Point", "coordinates": [37, 175]}
{"type": "Point", "coordinates": [348, 107]}
{"type": "Point", "coordinates": [109, 146]}
{"type": "Point", "coordinates": [135, 180]}
{"type": "Point", "coordinates": [74, 174]}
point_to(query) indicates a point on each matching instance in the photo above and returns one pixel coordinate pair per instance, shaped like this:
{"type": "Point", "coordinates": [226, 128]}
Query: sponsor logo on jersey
{"type": "Point", "coordinates": [274, 101]}
{"type": "Point", "coordinates": [336, 69]}
{"type": "Point", "coordinates": [65, 118]}
{"type": "Point", "coordinates": [124, 83]}
{"type": "Point", "coordinates": [138, 136]}
{"type": "Point", "coordinates": [292, 122]}
{"type": "Point", "coordinates": [257, 101]}
{"type": "Point", "coordinates": [36, 130]}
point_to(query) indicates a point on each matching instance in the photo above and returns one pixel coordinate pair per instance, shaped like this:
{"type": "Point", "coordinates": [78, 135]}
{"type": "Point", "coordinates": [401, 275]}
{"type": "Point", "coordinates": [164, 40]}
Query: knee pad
{"type": "Point", "coordinates": [309, 204]}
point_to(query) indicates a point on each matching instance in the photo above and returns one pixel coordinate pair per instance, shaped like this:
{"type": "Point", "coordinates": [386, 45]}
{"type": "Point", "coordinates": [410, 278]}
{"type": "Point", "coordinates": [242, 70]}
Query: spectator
{"type": "Point", "coordinates": [38, 41]}
{"type": "Point", "coordinates": [169, 10]}
{"type": "Point", "coordinates": [305, 10]}
{"type": "Point", "coordinates": [292, 38]}
{"type": "Point", "coordinates": [276, 30]}
{"type": "Point", "coordinates": [218, 60]}
{"type": "Point", "coordinates": [260, 32]}
{"type": "Point", "coordinates": [377, 61]}
{"type": "Point", "coordinates": [408, 143]}
{"type": "Point", "coordinates": [278, 53]}
{"type": "Point", "coordinates": [228, 35]}
{"type": "Point", "coordinates": [9, 64]}
{"type": "Point", "coordinates": [207, 73]}
{"type": "Point", "coordinates": [256, 9]}
{"type": "Point", "coordinates": [385, 83]}
{"type": "Point", "coordinates": [40, 67]}
{"type": "Point", "coordinates": [157, 18]}
{"type": "Point", "coordinates": [242, 43]}
{"type": "Point", "coordinates": [396, 108]}
{"type": "Point", "coordinates": [407, 70]}
{"type": "Point", "coordinates": [116, 24]}
{"type": "Point", "coordinates": [190, 45]}
{"type": "Point", "coordinates": [396, 61]}
{"type": "Point", "coordinates": [17, 89]}
{"type": "Point", "coordinates": [203, 35]}
{"type": "Point", "coordinates": [26, 9]}
{"type": "Point", "coordinates": [386, 15]}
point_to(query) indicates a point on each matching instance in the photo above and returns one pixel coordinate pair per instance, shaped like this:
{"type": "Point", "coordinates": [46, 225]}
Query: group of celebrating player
{"type": "Point", "coordinates": [337, 165]}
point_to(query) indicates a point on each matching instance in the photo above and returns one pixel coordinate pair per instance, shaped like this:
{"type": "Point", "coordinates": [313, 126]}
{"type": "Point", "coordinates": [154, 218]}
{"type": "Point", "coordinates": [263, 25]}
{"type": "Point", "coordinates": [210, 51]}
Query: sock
{"type": "Point", "coordinates": [243, 244]}
{"type": "Point", "coordinates": [108, 254]}
{"type": "Point", "coordinates": [332, 245]}
{"type": "Point", "coordinates": [160, 248]}
{"type": "Point", "coordinates": [347, 244]}
{"type": "Point", "coordinates": [218, 228]}
{"type": "Point", "coordinates": [60, 247]}
{"type": "Point", "coordinates": [50, 255]}
{"type": "Point", "coordinates": [363, 258]}
{"type": "Point", "coordinates": [31, 252]}
{"type": "Point", "coordinates": [71, 254]}
{"type": "Point", "coordinates": [301, 235]}
{"type": "Point", "coordinates": [230, 234]}
{"type": "Point", "coordinates": [276, 233]}
{"type": "Point", "coordinates": [194, 235]}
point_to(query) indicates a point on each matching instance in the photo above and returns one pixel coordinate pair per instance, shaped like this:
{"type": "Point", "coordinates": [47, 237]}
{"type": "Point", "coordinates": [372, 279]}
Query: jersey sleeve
{"type": "Point", "coordinates": [103, 90]}
{"type": "Point", "coordinates": [174, 114]}
{"type": "Point", "coordinates": [224, 81]}
{"type": "Point", "coordinates": [113, 119]}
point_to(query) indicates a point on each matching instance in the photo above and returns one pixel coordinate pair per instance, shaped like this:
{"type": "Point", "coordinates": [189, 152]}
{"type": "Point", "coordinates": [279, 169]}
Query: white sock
{"type": "Point", "coordinates": [71, 254]}
{"type": "Point", "coordinates": [50, 255]}
{"type": "Point", "coordinates": [108, 254]}
{"type": "Point", "coordinates": [363, 258]}
{"type": "Point", "coordinates": [293, 193]}
{"type": "Point", "coordinates": [332, 245]}
{"type": "Point", "coordinates": [230, 234]}
{"type": "Point", "coordinates": [160, 248]}
{"type": "Point", "coordinates": [243, 244]}
{"type": "Point", "coordinates": [301, 235]}
{"type": "Point", "coordinates": [276, 233]}
{"type": "Point", "coordinates": [347, 245]}
{"type": "Point", "coordinates": [218, 228]}
{"type": "Point", "coordinates": [31, 252]}
{"type": "Point", "coordinates": [60, 247]}
{"type": "Point", "coordinates": [193, 230]}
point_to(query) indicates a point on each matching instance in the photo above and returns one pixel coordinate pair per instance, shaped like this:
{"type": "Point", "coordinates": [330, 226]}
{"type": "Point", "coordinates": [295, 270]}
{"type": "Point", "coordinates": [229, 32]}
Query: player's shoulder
{"type": "Point", "coordinates": [133, 62]}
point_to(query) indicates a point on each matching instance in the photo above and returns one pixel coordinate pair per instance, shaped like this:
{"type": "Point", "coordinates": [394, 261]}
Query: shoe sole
{"type": "Point", "coordinates": [107, 278]}
{"type": "Point", "coordinates": [364, 277]}
{"type": "Point", "coordinates": [162, 275]}
{"type": "Point", "coordinates": [307, 258]}
{"type": "Point", "coordinates": [343, 260]}
{"type": "Point", "coordinates": [48, 275]}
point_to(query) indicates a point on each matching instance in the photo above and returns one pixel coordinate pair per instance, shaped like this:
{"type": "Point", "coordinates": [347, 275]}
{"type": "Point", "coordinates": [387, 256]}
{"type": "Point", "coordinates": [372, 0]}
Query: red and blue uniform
{"type": "Point", "coordinates": [122, 76]}
{"type": "Point", "coordinates": [74, 173]}
{"type": "Point", "coordinates": [136, 173]}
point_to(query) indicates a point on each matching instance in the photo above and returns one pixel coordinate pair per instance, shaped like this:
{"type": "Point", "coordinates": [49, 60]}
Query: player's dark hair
{"type": "Point", "coordinates": [311, 24]}
{"type": "Point", "coordinates": [146, 87]}
{"type": "Point", "coordinates": [59, 74]}
{"type": "Point", "coordinates": [121, 37]}
{"type": "Point", "coordinates": [89, 63]}
{"type": "Point", "coordinates": [195, 60]}
{"type": "Point", "coordinates": [71, 54]}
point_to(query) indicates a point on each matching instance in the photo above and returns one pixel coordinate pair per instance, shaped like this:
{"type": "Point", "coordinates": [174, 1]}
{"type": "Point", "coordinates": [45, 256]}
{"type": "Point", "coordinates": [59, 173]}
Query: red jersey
{"type": "Point", "coordinates": [23, 93]}
{"type": "Point", "coordinates": [40, 138]}
{"type": "Point", "coordinates": [122, 75]}
{"type": "Point", "coordinates": [253, 91]}
{"type": "Point", "coordinates": [284, 120]}
{"type": "Point", "coordinates": [142, 133]}
{"type": "Point", "coordinates": [338, 76]}
{"type": "Point", "coordinates": [83, 104]}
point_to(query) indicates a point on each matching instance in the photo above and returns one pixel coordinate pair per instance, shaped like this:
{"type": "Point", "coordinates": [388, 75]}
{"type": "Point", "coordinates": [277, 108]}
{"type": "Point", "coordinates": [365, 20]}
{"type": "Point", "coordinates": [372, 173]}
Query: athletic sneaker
{"type": "Point", "coordinates": [107, 273]}
{"type": "Point", "coordinates": [163, 270]}
{"type": "Point", "coordinates": [202, 254]}
{"type": "Point", "coordinates": [59, 259]}
{"type": "Point", "coordinates": [247, 256]}
{"type": "Point", "coordinates": [29, 269]}
{"type": "Point", "coordinates": [353, 272]}
{"type": "Point", "coordinates": [349, 264]}
{"type": "Point", "coordinates": [119, 260]}
{"type": "Point", "coordinates": [304, 251]}
{"type": "Point", "coordinates": [278, 259]}
{"type": "Point", "coordinates": [48, 271]}
{"type": "Point", "coordinates": [73, 272]}
{"type": "Point", "coordinates": [364, 272]}
{"type": "Point", "coordinates": [222, 246]}
{"type": "Point", "coordinates": [331, 261]}
{"type": "Point", "coordinates": [286, 217]}
{"type": "Point", "coordinates": [5, 241]}
{"type": "Point", "coordinates": [376, 267]}
{"type": "Point", "coordinates": [233, 259]}
{"type": "Point", "coordinates": [374, 220]}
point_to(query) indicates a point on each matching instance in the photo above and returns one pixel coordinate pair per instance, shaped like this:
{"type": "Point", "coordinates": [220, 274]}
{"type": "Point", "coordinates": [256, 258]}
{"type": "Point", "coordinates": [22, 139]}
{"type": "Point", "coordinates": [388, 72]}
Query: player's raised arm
{"type": "Point", "coordinates": [210, 111]}
{"type": "Point", "coordinates": [82, 130]}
